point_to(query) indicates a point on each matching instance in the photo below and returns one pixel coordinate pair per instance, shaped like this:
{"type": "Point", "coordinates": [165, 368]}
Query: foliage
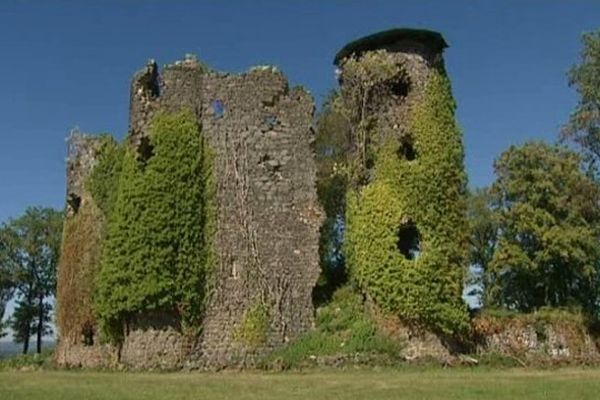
{"type": "Point", "coordinates": [79, 264]}
{"type": "Point", "coordinates": [253, 330]}
{"type": "Point", "coordinates": [427, 194]}
{"type": "Point", "coordinates": [344, 329]}
{"type": "Point", "coordinates": [7, 275]}
{"type": "Point", "coordinates": [28, 362]}
{"type": "Point", "coordinates": [22, 321]}
{"type": "Point", "coordinates": [584, 123]}
{"type": "Point", "coordinates": [31, 246]}
{"type": "Point", "coordinates": [483, 232]}
{"type": "Point", "coordinates": [157, 254]}
{"type": "Point", "coordinates": [331, 147]}
{"type": "Point", "coordinates": [548, 252]}
{"type": "Point", "coordinates": [104, 179]}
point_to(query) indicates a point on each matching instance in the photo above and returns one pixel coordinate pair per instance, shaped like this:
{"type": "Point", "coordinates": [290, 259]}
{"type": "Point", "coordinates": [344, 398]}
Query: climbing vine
{"type": "Point", "coordinates": [157, 254]}
{"type": "Point", "coordinates": [424, 196]}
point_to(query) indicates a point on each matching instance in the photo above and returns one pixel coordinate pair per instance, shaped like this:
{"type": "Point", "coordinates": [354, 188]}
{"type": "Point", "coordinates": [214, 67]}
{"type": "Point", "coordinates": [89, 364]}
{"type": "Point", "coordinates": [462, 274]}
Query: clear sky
{"type": "Point", "coordinates": [67, 63]}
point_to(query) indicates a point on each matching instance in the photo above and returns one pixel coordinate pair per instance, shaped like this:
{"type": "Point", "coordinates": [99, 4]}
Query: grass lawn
{"type": "Point", "coordinates": [369, 384]}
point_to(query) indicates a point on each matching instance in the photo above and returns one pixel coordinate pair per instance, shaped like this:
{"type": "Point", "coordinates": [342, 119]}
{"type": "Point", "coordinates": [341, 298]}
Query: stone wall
{"type": "Point", "coordinates": [391, 106]}
{"type": "Point", "coordinates": [268, 216]}
{"type": "Point", "coordinates": [565, 338]}
{"type": "Point", "coordinates": [79, 257]}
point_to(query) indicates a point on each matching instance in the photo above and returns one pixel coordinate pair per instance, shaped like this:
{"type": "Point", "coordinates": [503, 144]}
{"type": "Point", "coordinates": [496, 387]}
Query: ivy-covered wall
{"type": "Point", "coordinates": [158, 250]}
{"type": "Point", "coordinates": [209, 250]}
{"type": "Point", "coordinates": [406, 227]}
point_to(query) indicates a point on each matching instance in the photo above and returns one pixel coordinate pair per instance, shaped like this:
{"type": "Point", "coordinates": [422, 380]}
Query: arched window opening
{"type": "Point", "coordinates": [409, 241]}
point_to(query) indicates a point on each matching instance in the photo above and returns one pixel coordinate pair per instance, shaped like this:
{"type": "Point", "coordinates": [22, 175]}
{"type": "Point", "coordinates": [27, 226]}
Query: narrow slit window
{"type": "Point", "coordinates": [88, 336]}
{"type": "Point", "coordinates": [145, 149]}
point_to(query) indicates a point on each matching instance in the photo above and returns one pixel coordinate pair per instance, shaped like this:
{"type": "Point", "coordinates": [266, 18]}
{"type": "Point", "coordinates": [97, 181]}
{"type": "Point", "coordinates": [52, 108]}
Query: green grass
{"type": "Point", "coordinates": [369, 384]}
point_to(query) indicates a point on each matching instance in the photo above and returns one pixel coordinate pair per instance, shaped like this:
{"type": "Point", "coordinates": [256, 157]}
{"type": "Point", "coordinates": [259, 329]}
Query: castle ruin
{"type": "Point", "coordinates": [268, 216]}
{"type": "Point", "coordinates": [268, 220]}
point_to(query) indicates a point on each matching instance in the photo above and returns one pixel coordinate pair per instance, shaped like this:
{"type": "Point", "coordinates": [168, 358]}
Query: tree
{"type": "Point", "coordinates": [33, 251]}
{"type": "Point", "coordinates": [332, 151]}
{"type": "Point", "coordinates": [7, 275]}
{"type": "Point", "coordinates": [584, 123]}
{"type": "Point", "coordinates": [548, 252]}
{"type": "Point", "coordinates": [483, 236]}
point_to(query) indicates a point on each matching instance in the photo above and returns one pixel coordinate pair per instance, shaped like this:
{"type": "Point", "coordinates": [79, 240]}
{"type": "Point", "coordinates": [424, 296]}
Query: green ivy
{"type": "Point", "coordinates": [157, 254]}
{"type": "Point", "coordinates": [104, 178]}
{"type": "Point", "coordinates": [428, 191]}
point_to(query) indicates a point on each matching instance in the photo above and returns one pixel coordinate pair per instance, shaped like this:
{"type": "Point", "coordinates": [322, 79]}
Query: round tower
{"type": "Point", "coordinates": [406, 229]}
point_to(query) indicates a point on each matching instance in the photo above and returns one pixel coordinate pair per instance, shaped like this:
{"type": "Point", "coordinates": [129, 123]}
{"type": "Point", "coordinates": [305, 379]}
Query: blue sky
{"type": "Point", "coordinates": [66, 64]}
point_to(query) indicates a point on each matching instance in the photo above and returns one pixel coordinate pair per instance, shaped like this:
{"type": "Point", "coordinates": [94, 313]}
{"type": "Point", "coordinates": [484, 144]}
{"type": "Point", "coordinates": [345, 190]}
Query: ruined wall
{"type": "Point", "coordinates": [80, 253]}
{"type": "Point", "coordinates": [268, 216]}
{"type": "Point", "coordinates": [555, 337]}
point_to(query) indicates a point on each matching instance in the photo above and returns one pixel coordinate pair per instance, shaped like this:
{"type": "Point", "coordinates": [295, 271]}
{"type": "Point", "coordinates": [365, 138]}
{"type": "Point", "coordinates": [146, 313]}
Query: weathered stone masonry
{"type": "Point", "coordinates": [268, 216]}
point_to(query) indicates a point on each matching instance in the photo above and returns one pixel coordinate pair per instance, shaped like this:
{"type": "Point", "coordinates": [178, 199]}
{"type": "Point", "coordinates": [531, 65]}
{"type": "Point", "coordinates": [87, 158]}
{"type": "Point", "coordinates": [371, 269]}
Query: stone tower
{"type": "Point", "coordinates": [268, 219]}
{"type": "Point", "coordinates": [406, 225]}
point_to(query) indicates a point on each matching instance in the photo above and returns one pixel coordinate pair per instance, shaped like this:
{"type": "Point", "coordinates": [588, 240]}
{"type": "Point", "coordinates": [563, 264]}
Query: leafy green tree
{"type": "Point", "coordinates": [332, 150]}
{"type": "Point", "coordinates": [548, 252]}
{"type": "Point", "coordinates": [32, 249]}
{"type": "Point", "coordinates": [22, 323]}
{"type": "Point", "coordinates": [483, 236]}
{"type": "Point", "coordinates": [584, 124]}
{"type": "Point", "coordinates": [7, 276]}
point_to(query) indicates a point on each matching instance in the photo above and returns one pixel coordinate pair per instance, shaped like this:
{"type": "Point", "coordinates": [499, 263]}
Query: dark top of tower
{"type": "Point", "coordinates": [433, 40]}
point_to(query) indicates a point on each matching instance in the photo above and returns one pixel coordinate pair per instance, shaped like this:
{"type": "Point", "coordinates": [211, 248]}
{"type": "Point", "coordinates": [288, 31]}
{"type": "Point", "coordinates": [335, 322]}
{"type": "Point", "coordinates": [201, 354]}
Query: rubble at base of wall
{"type": "Point", "coordinates": [528, 337]}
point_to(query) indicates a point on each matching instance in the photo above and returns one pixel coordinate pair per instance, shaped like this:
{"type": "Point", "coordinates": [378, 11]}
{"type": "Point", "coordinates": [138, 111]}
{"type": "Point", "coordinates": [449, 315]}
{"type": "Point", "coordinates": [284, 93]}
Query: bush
{"type": "Point", "coordinates": [35, 361]}
{"type": "Point", "coordinates": [343, 331]}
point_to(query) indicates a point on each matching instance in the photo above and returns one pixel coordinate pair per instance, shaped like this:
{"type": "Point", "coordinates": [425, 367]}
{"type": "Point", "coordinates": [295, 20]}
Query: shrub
{"type": "Point", "coordinates": [343, 329]}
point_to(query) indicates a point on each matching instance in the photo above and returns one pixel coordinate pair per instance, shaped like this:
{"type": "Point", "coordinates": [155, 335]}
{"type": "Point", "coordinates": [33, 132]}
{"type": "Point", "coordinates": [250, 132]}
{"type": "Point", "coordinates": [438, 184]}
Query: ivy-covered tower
{"type": "Point", "coordinates": [406, 227]}
{"type": "Point", "coordinates": [194, 242]}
